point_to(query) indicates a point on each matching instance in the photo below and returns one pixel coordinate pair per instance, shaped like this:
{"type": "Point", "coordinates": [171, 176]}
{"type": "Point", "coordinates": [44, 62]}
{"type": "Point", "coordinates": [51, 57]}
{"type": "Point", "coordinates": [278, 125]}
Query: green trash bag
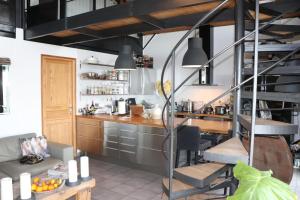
{"type": "Point", "coordinates": [259, 185]}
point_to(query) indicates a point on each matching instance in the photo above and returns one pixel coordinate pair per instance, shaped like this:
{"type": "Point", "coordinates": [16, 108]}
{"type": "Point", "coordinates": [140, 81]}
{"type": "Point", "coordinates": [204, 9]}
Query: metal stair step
{"type": "Point", "coordinates": [268, 127]}
{"type": "Point", "coordinates": [200, 175]}
{"type": "Point", "coordinates": [228, 152]}
{"type": "Point", "coordinates": [182, 190]}
{"type": "Point", "coordinates": [273, 47]}
{"type": "Point", "coordinates": [279, 70]}
{"type": "Point", "coordinates": [274, 96]}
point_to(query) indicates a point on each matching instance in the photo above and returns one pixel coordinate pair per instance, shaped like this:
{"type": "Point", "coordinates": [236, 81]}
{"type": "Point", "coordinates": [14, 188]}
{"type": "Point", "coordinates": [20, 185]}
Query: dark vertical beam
{"type": "Point", "coordinates": [238, 61]}
{"type": "Point", "coordinates": [206, 33]}
{"type": "Point", "coordinates": [1, 90]}
{"type": "Point", "coordinates": [63, 9]}
{"type": "Point", "coordinates": [19, 13]}
{"type": "Point", "coordinates": [94, 5]}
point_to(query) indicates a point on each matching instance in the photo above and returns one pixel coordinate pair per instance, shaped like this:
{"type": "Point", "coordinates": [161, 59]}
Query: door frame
{"type": "Point", "coordinates": [74, 96]}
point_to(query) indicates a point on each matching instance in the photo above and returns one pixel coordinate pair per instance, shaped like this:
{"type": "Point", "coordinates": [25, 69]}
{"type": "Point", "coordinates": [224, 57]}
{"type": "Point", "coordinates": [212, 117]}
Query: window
{"type": "Point", "coordinates": [4, 67]}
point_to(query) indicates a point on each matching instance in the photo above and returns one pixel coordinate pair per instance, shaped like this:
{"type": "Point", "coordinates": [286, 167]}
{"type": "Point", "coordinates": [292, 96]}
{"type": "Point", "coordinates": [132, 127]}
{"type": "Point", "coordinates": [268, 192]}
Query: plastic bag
{"type": "Point", "coordinates": [259, 185]}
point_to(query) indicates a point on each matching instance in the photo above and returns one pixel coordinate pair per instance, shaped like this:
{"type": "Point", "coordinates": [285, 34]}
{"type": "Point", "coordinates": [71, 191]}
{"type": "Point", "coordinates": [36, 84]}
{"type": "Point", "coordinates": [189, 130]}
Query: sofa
{"type": "Point", "coordinates": [10, 154]}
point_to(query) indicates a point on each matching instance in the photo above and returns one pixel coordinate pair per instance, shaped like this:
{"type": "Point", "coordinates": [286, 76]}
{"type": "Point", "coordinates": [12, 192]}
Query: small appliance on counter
{"type": "Point", "coordinates": [208, 110]}
{"type": "Point", "coordinates": [122, 107]}
{"type": "Point", "coordinates": [220, 110]}
{"type": "Point", "coordinates": [188, 106]}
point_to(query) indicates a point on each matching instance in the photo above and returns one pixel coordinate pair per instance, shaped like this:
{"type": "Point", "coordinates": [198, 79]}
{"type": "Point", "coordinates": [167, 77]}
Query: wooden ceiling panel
{"type": "Point", "coordinates": [189, 10]}
{"type": "Point", "coordinates": [65, 33]}
{"type": "Point", "coordinates": [115, 23]}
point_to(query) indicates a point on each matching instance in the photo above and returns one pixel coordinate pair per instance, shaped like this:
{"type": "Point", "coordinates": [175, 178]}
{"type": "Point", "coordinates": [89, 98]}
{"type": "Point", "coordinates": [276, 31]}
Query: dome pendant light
{"type": "Point", "coordinates": [195, 56]}
{"type": "Point", "coordinates": [125, 59]}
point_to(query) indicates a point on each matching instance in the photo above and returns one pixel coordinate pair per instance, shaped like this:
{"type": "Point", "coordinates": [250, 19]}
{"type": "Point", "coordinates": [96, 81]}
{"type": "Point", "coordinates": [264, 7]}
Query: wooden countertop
{"type": "Point", "coordinates": [220, 127]}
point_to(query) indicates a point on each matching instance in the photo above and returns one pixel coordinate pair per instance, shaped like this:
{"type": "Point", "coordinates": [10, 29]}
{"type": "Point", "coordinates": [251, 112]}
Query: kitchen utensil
{"type": "Point", "coordinates": [187, 106]}
{"type": "Point", "coordinates": [220, 110]}
{"type": "Point", "coordinates": [208, 109]}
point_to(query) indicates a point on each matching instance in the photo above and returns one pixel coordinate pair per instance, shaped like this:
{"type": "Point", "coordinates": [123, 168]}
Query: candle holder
{"type": "Point", "coordinates": [73, 184]}
{"type": "Point", "coordinates": [85, 179]}
{"type": "Point", "coordinates": [32, 197]}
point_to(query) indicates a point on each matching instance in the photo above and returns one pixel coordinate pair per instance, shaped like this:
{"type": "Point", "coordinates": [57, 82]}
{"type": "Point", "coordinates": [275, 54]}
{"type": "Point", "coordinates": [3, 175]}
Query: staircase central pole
{"type": "Point", "coordinates": [238, 61]}
{"type": "Point", "coordinates": [171, 125]}
{"type": "Point", "coordinates": [254, 97]}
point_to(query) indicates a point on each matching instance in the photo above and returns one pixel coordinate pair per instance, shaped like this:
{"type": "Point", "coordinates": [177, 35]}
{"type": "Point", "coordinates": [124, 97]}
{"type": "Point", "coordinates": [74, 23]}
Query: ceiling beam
{"type": "Point", "coordinates": [152, 21]}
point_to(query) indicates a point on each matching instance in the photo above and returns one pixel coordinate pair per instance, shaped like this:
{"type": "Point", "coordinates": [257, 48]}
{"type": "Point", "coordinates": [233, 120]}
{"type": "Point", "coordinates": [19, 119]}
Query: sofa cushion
{"type": "Point", "coordinates": [14, 168]}
{"type": "Point", "coordinates": [10, 147]}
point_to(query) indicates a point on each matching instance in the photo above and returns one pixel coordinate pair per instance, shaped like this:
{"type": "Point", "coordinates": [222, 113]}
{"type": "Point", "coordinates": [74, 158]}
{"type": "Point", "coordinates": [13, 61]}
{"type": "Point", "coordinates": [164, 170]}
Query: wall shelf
{"type": "Point", "coordinates": [96, 64]}
{"type": "Point", "coordinates": [121, 81]}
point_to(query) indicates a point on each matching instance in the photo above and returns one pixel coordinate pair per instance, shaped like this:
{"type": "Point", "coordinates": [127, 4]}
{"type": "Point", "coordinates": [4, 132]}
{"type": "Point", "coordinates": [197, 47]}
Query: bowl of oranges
{"type": "Point", "coordinates": [43, 185]}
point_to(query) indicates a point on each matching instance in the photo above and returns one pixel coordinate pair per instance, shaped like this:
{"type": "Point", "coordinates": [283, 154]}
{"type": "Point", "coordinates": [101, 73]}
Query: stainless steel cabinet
{"type": "Point", "coordinates": [120, 141]}
{"type": "Point", "coordinates": [134, 144]}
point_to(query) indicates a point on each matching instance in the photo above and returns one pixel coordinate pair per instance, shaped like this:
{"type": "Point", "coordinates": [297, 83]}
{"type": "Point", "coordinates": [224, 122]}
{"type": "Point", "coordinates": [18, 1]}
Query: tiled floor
{"type": "Point", "coordinates": [114, 182]}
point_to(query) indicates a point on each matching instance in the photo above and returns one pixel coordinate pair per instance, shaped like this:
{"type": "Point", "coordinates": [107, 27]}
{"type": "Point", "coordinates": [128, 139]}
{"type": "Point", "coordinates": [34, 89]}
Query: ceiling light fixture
{"type": "Point", "coordinates": [125, 60]}
{"type": "Point", "coordinates": [195, 56]}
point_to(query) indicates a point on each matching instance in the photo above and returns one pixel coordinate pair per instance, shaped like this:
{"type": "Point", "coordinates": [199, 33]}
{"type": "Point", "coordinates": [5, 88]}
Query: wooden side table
{"type": "Point", "coordinates": [82, 192]}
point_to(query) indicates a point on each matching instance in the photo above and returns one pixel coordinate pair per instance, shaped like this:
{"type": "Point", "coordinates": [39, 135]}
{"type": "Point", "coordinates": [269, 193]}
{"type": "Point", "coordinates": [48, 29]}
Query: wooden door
{"type": "Point", "coordinates": [59, 99]}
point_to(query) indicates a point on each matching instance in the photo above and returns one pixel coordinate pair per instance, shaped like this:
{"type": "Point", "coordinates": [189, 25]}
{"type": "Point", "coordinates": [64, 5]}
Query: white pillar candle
{"type": "Point", "coordinates": [25, 186]}
{"type": "Point", "coordinates": [84, 167]}
{"type": "Point", "coordinates": [72, 164]}
{"type": "Point", "coordinates": [6, 189]}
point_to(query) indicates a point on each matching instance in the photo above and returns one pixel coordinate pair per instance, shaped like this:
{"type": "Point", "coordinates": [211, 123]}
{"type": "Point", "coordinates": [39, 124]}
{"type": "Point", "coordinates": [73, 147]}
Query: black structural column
{"type": "Point", "coordinates": [1, 90]}
{"type": "Point", "coordinates": [238, 61]}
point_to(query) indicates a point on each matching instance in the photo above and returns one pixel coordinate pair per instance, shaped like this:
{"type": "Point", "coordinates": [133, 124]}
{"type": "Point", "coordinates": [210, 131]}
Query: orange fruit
{"type": "Point", "coordinates": [44, 183]}
{"type": "Point", "coordinates": [51, 187]}
{"type": "Point", "coordinates": [33, 187]}
{"type": "Point", "coordinates": [55, 185]}
{"type": "Point", "coordinates": [52, 181]}
{"type": "Point", "coordinates": [36, 180]}
{"type": "Point", "coordinates": [39, 189]}
{"type": "Point", "coordinates": [45, 187]}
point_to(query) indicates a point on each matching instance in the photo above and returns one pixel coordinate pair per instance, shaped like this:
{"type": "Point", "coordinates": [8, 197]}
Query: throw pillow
{"type": "Point", "coordinates": [35, 145]}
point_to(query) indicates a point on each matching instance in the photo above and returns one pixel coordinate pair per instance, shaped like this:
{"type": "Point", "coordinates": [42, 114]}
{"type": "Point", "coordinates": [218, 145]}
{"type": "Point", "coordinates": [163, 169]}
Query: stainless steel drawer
{"type": "Point", "coordinates": [129, 148]}
{"type": "Point", "coordinates": [128, 133]}
{"type": "Point", "coordinates": [109, 144]}
{"type": "Point", "coordinates": [151, 141]}
{"type": "Point", "coordinates": [151, 130]}
{"type": "Point", "coordinates": [128, 156]}
{"type": "Point", "coordinates": [111, 152]}
{"type": "Point", "coordinates": [128, 140]}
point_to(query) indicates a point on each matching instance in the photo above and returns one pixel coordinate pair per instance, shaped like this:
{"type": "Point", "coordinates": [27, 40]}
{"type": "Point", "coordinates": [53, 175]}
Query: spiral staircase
{"type": "Point", "coordinates": [217, 174]}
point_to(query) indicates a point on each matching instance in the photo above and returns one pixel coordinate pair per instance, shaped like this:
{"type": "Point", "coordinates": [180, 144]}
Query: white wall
{"type": "Point", "coordinates": [25, 75]}
{"type": "Point", "coordinates": [161, 46]}
{"type": "Point", "coordinates": [25, 81]}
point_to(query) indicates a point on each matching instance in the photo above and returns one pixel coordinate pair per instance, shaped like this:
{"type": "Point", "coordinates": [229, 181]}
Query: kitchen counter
{"type": "Point", "coordinates": [201, 115]}
{"type": "Point", "coordinates": [133, 141]}
{"type": "Point", "coordinates": [219, 127]}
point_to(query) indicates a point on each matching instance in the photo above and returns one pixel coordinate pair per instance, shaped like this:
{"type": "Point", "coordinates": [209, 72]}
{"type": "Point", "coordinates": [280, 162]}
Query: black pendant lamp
{"type": "Point", "coordinates": [195, 56]}
{"type": "Point", "coordinates": [125, 59]}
